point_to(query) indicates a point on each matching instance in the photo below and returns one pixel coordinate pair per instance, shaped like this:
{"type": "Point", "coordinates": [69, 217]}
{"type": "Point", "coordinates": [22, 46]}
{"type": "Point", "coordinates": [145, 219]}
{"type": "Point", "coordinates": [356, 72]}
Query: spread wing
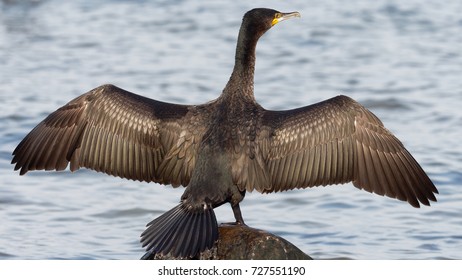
{"type": "Point", "coordinates": [333, 142]}
{"type": "Point", "coordinates": [114, 131]}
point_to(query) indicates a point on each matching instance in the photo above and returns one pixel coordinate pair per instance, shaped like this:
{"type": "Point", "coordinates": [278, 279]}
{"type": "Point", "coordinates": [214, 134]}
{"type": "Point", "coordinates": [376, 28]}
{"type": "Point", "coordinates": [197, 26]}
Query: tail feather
{"type": "Point", "coordinates": [152, 231]}
{"type": "Point", "coordinates": [181, 232]}
{"type": "Point", "coordinates": [176, 240]}
{"type": "Point", "coordinates": [184, 236]}
{"type": "Point", "coordinates": [168, 232]}
{"type": "Point", "coordinates": [210, 231]}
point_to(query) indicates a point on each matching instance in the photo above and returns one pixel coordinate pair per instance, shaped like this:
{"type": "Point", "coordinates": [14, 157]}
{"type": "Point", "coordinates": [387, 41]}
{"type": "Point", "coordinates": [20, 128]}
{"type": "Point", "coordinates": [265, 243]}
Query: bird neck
{"type": "Point", "coordinates": [241, 81]}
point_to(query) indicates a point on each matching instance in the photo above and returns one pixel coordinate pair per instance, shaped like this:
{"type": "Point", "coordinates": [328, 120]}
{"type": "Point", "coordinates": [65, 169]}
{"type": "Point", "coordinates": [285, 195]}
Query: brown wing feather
{"type": "Point", "coordinates": [333, 142]}
{"type": "Point", "coordinates": [116, 132]}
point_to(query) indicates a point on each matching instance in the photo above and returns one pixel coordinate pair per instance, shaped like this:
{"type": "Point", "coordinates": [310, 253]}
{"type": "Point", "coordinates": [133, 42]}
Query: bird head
{"type": "Point", "coordinates": [260, 20]}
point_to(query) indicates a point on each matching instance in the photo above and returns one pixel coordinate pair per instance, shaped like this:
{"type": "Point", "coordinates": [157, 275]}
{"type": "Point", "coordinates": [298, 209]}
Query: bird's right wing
{"type": "Point", "coordinates": [117, 132]}
{"type": "Point", "coordinates": [337, 141]}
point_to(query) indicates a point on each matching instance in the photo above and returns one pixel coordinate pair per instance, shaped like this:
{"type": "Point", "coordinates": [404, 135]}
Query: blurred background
{"type": "Point", "coordinates": [401, 59]}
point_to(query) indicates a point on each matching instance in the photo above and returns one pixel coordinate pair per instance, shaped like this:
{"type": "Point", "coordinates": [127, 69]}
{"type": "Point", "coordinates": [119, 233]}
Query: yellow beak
{"type": "Point", "coordinates": [283, 16]}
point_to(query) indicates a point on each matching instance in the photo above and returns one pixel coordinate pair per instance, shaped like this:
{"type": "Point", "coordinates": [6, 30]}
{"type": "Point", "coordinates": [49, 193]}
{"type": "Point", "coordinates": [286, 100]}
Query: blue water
{"type": "Point", "coordinates": [401, 59]}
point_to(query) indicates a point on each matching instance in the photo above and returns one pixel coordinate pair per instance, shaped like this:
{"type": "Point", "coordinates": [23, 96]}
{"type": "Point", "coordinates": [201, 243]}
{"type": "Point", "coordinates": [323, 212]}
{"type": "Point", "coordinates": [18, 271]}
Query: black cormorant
{"type": "Point", "coordinates": [221, 149]}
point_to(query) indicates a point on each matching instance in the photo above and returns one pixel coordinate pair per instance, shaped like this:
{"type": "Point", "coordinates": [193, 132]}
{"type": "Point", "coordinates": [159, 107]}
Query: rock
{"type": "Point", "coordinates": [238, 242]}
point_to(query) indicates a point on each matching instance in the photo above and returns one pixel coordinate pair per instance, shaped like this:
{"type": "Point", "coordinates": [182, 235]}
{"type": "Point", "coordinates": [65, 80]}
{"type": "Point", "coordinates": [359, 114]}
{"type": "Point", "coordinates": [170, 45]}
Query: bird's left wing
{"type": "Point", "coordinates": [117, 132]}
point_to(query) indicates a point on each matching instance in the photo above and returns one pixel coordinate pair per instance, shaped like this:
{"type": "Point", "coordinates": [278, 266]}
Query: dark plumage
{"type": "Point", "coordinates": [221, 149]}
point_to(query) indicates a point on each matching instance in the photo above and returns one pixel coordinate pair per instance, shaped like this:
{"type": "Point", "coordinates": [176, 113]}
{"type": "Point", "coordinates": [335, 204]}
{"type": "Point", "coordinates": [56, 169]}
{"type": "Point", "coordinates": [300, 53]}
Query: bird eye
{"type": "Point", "coordinates": [276, 18]}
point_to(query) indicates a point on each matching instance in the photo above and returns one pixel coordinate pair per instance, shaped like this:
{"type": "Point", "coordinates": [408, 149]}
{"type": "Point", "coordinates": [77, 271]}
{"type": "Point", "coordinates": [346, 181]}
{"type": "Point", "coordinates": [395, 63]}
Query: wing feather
{"type": "Point", "coordinates": [114, 131]}
{"type": "Point", "coordinates": [334, 142]}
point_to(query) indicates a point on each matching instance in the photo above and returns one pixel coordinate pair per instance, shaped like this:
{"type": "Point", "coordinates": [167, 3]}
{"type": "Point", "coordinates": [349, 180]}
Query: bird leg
{"type": "Point", "coordinates": [238, 215]}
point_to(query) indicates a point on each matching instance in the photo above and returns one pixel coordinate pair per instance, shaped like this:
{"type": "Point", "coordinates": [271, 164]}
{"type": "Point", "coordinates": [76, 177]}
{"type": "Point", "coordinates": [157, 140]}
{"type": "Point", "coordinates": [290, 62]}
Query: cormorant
{"type": "Point", "coordinates": [221, 149]}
